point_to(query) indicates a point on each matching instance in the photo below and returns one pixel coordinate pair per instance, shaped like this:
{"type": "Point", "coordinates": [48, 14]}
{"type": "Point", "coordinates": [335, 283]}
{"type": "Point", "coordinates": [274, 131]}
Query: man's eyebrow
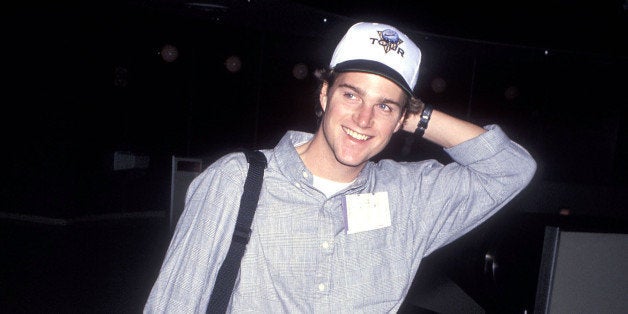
{"type": "Point", "coordinates": [354, 88]}
{"type": "Point", "coordinates": [360, 91]}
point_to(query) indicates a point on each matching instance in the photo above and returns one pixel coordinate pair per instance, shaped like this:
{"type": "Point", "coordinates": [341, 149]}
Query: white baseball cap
{"type": "Point", "coordinates": [380, 49]}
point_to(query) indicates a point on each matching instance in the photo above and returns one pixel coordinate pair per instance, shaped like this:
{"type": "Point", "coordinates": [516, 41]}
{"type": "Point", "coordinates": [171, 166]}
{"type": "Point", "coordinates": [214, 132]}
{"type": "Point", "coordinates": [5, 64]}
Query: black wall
{"type": "Point", "coordinates": [84, 83]}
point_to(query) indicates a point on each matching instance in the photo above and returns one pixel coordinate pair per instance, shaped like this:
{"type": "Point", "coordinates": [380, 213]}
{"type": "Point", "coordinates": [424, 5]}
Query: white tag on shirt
{"type": "Point", "coordinates": [368, 211]}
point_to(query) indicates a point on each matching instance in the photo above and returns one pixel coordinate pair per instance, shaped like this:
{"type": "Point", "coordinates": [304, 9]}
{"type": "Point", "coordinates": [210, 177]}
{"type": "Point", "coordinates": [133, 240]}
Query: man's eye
{"type": "Point", "coordinates": [349, 95]}
{"type": "Point", "coordinates": [384, 107]}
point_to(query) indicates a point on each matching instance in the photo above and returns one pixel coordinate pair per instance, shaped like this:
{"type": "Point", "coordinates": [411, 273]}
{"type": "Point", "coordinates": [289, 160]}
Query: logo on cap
{"type": "Point", "coordinates": [389, 39]}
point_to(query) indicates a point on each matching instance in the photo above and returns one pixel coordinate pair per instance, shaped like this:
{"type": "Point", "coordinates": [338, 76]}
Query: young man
{"type": "Point", "coordinates": [334, 232]}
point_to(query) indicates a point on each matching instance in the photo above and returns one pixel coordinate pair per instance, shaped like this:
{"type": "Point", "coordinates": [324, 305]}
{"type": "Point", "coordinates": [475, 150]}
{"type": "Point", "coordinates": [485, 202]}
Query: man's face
{"type": "Point", "coordinates": [362, 111]}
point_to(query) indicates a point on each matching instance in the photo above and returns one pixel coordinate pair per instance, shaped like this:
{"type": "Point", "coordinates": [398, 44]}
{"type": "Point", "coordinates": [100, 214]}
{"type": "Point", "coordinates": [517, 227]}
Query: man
{"type": "Point", "coordinates": [334, 232]}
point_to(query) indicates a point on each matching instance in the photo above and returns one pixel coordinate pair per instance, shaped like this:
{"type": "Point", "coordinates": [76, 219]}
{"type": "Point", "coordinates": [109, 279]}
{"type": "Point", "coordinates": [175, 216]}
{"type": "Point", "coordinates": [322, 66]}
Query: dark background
{"type": "Point", "coordinates": [85, 82]}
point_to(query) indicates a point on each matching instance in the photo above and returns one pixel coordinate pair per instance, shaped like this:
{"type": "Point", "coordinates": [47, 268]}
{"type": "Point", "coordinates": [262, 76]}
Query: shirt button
{"type": "Point", "coordinates": [297, 184]}
{"type": "Point", "coordinates": [305, 174]}
{"type": "Point", "coordinates": [321, 287]}
{"type": "Point", "coordinates": [325, 245]}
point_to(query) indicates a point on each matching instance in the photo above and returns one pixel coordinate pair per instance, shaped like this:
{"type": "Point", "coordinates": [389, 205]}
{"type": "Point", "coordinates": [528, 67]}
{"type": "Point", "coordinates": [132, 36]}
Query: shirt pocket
{"type": "Point", "coordinates": [376, 265]}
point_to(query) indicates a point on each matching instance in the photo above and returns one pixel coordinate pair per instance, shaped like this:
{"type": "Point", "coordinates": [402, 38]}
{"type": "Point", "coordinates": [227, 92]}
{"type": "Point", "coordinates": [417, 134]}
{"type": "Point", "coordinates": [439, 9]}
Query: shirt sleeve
{"type": "Point", "coordinates": [488, 172]}
{"type": "Point", "coordinates": [201, 239]}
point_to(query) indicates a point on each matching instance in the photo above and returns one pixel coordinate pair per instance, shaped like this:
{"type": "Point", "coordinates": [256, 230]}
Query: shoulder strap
{"type": "Point", "coordinates": [225, 281]}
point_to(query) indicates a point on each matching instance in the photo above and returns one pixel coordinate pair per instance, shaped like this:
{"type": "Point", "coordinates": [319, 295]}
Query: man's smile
{"type": "Point", "coordinates": [356, 135]}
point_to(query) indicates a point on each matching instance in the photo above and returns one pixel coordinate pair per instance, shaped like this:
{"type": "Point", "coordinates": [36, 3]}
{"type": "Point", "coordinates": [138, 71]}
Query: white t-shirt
{"type": "Point", "coordinates": [329, 187]}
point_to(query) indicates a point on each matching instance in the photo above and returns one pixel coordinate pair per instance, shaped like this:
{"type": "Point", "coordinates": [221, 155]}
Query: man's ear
{"type": "Point", "coordinates": [322, 97]}
{"type": "Point", "coordinates": [401, 121]}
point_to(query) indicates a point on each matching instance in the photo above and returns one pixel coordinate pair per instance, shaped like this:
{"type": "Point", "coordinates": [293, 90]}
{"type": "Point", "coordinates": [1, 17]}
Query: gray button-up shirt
{"type": "Point", "coordinates": [300, 258]}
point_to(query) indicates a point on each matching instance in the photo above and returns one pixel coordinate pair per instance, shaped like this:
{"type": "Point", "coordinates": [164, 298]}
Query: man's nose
{"type": "Point", "coordinates": [364, 116]}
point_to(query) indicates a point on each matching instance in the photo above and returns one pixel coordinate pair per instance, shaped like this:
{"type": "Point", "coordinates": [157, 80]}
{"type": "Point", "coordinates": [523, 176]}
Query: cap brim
{"type": "Point", "coordinates": [374, 67]}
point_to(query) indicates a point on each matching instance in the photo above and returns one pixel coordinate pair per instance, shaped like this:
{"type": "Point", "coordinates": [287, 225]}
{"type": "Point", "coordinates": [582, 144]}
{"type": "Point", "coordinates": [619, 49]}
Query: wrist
{"type": "Point", "coordinates": [424, 120]}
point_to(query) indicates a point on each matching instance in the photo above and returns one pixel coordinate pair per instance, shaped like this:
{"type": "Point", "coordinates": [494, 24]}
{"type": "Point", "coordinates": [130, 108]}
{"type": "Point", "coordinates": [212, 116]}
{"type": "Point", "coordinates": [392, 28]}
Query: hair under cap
{"type": "Point", "coordinates": [379, 49]}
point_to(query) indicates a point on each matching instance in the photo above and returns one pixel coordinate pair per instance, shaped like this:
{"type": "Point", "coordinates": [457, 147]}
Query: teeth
{"type": "Point", "coordinates": [356, 135]}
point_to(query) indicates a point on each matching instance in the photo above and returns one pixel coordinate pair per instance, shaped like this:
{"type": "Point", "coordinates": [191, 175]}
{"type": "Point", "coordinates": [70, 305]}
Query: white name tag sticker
{"type": "Point", "coordinates": [368, 211]}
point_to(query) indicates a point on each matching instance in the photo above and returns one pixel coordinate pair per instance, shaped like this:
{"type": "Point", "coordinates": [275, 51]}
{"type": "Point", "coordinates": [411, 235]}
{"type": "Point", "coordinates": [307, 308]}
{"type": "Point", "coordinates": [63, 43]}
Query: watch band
{"type": "Point", "coordinates": [426, 114]}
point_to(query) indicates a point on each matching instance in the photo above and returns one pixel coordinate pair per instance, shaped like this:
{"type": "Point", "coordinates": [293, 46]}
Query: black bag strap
{"type": "Point", "coordinates": [221, 294]}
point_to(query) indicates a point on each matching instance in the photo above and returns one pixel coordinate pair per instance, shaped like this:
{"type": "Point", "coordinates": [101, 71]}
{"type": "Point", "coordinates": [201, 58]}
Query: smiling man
{"type": "Point", "coordinates": [362, 111]}
{"type": "Point", "coordinates": [335, 232]}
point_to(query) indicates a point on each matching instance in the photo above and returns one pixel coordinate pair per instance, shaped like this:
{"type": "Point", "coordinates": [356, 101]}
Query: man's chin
{"type": "Point", "coordinates": [352, 162]}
